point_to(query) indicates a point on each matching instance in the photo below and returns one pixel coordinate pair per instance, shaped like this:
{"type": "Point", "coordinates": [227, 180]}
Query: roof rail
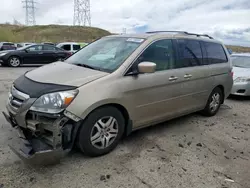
{"type": "Point", "coordinates": [151, 32]}
{"type": "Point", "coordinates": [182, 32]}
{"type": "Point", "coordinates": [199, 35]}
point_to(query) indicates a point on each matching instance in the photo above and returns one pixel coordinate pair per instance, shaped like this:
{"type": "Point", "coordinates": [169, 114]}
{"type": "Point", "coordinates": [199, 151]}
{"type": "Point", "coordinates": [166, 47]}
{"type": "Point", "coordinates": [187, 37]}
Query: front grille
{"type": "Point", "coordinates": [17, 98]}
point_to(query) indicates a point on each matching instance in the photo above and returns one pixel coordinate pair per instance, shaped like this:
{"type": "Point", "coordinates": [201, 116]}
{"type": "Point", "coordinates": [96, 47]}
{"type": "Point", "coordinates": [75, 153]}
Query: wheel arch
{"type": "Point", "coordinates": [122, 109]}
{"type": "Point", "coordinates": [14, 55]}
{"type": "Point", "coordinates": [223, 92]}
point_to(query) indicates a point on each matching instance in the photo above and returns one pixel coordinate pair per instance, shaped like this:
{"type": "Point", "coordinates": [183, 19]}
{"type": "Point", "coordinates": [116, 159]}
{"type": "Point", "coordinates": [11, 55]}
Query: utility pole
{"type": "Point", "coordinates": [82, 13]}
{"type": "Point", "coordinates": [29, 6]}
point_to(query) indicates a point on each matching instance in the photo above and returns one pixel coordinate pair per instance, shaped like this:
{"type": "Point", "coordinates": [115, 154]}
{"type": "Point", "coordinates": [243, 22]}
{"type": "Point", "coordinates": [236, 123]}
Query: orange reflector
{"type": "Point", "coordinates": [68, 100]}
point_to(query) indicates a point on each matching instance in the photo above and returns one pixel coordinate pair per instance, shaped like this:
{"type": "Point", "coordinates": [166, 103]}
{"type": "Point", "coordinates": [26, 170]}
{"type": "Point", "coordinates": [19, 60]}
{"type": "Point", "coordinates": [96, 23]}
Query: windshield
{"type": "Point", "coordinates": [241, 61]}
{"type": "Point", "coordinates": [105, 54]}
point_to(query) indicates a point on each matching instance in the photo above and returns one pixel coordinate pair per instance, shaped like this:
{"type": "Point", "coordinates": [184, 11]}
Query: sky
{"type": "Point", "coordinates": [225, 20]}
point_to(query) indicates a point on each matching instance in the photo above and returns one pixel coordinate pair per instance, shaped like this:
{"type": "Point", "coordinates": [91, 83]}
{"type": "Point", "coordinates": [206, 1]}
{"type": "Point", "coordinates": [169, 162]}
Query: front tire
{"type": "Point", "coordinates": [14, 61]}
{"type": "Point", "coordinates": [101, 131]}
{"type": "Point", "coordinates": [214, 102]}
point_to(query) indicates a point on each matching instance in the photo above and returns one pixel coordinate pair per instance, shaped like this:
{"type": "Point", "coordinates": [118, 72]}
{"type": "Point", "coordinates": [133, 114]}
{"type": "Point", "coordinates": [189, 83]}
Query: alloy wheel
{"type": "Point", "coordinates": [215, 102]}
{"type": "Point", "coordinates": [104, 132]}
{"type": "Point", "coordinates": [14, 62]}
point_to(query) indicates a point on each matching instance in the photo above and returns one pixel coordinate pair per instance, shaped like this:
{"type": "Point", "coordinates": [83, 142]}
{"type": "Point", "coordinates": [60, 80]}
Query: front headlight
{"type": "Point", "coordinates": [54, 102]}
{"type": "Point", "coordinates": [242, 79]}
{"type": "Point", "coordinates": [2, 54]}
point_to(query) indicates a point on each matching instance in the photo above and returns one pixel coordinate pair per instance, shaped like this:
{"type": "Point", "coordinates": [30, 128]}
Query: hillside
{"type": "Point", "coordinates": [239, 48]}
{"type": "Point", "coordinates": [61, 33]}
{"type": "Point", "coordinates": [50, 33]}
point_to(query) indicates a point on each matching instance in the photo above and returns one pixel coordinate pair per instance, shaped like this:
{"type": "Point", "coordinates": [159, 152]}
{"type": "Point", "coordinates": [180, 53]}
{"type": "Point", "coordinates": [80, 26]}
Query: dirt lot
{"type": "Point", "coordinates": [192, 151]}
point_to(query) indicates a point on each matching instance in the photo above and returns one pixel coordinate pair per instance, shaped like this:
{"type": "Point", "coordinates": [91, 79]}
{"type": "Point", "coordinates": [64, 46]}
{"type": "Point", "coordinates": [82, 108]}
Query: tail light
{"type": "Point", "coordinates": [232, 73]}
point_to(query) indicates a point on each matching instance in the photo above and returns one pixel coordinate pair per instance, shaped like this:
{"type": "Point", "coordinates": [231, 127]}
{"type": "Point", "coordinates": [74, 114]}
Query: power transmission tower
{"type": "Point", "coordinates": [82, 13]}
{"type": "Point", "coordinates": [29, 6]}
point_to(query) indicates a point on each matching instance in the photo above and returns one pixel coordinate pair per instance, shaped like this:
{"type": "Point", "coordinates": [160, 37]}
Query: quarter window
{"type": "Point", "coordinates": [215, 53]}
{"type": "Point", "coordinates": [161, 53]}
{"type": "Point", "coordinates": [190, 53]}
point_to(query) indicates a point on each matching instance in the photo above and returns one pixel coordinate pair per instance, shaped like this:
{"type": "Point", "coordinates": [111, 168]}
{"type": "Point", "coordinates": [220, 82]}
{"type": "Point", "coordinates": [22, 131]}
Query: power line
{"type": "Point", "coordinates": [29, 6]}
{"type": "Point", "coordinates": [82, 15]}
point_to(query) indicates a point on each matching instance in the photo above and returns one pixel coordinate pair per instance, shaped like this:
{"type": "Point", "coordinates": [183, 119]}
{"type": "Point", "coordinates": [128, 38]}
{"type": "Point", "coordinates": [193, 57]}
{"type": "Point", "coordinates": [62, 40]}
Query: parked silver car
{"type": "Point", "coordinates": [113, 86]}
{"type": "Point", "coordinates": [241, 70]}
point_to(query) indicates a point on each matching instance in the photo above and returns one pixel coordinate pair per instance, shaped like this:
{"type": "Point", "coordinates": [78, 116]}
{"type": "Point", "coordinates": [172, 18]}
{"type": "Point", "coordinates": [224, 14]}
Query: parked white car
{"type": "Point", "coordinates": [69, 46]}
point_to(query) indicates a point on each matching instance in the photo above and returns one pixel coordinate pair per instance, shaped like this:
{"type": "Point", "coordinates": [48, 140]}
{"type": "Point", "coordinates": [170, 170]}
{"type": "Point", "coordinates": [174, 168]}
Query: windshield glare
{"type": "Point", "coordinates": [106, 54]}
{"type": "Point", "coordinates": [241, 61]}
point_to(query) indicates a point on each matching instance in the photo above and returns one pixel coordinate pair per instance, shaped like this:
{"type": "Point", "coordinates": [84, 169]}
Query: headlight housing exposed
{"type": "Point", "coordinates": [2, 54]}
{"type": "Point", "coordinates": [242, 79]}
{"type": "Point", "coordinates": [54, 102]}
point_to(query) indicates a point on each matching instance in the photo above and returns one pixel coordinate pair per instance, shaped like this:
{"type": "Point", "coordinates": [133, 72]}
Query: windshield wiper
{"type": "Point", "coordinates": [87, 66]}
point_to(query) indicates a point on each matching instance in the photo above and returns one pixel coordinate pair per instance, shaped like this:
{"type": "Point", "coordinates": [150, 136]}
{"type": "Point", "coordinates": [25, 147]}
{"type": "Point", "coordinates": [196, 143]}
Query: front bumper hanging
{"type": "Point", "coordinates": [33, 151]}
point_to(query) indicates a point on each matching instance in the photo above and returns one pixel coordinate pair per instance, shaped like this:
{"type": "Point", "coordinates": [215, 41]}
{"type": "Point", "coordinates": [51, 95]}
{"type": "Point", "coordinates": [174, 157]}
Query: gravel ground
{"type": "Point", "coordinates": [192, 151]}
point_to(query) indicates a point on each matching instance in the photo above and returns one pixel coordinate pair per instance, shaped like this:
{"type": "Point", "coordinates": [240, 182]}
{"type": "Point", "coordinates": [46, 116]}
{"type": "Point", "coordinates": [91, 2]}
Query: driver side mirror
{"type": "Point", "coordinates": [146, 67]}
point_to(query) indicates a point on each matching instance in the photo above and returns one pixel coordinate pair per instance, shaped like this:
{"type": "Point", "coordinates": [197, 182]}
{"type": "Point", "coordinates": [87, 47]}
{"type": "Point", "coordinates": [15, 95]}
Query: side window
{"type": "Point", "coordinates": [76, 47]}
{"type": "Point", "coordinates": [35, 48]}
{"type": "Point", "coordinates": [190, 53]}
{"type": "Point", "coordinates": [66, 47]}
{"type": "Point", "coordinates": [215, 53]}
{"type": "Point", "coordinates": [161, 53]}
{"type": "Point", "coordinates": [49, 48]}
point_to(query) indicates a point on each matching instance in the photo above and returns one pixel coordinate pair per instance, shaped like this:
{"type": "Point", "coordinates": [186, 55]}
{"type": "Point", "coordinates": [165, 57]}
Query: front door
{"type": "Point", "coordinates": [34, 54]}
{"type": "Point", "coordinates": [156, 96]}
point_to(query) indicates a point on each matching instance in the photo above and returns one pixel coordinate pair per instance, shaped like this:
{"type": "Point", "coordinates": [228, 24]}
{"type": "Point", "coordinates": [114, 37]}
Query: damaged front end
{"type": "Point", "coordinates": [42, 138]}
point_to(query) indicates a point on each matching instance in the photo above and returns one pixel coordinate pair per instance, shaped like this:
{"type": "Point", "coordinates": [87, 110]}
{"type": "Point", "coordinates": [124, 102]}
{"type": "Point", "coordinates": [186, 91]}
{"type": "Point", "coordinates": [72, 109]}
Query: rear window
{"type": "Point", "coordinates": [76, 47]}
{"type": "Point", "coordinates": [190, 53]}
{"type": "Point", "coordinates": [215, 53]}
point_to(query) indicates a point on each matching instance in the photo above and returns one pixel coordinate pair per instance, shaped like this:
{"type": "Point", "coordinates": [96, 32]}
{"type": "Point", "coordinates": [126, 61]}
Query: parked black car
{"type": "Point", "coordinates": [32, 54]}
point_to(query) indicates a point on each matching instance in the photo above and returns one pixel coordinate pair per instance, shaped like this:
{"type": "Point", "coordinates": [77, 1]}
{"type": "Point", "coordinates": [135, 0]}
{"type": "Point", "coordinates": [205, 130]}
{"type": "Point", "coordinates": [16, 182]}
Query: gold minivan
{"type": "Point", "coordinates": [114, 86]}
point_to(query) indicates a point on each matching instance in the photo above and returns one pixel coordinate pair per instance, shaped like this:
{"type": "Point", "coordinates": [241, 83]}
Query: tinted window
{"type": "Point", "coordinates": [76, 47]}
{"type": "Point", "coordinates": [215, 53]}
{"type": "Point", "coordinates": [66, 47]}
{"type": "Point", "coordinates": [8, 46]}
{"type": "Point", "coordinates": [161, 53]}
{"type": "Point", "coordinates": [35, 48]}
{"type": "Point", "coordinates": [49, 48]}
{"type": "Point", "coordinates": [190, 53]}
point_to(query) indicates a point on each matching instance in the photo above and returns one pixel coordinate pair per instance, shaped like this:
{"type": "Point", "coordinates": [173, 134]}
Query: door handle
{"type": "Point", "coordinates": [172, 78]}
{"type": "Point", "coordinates": [187, 76]}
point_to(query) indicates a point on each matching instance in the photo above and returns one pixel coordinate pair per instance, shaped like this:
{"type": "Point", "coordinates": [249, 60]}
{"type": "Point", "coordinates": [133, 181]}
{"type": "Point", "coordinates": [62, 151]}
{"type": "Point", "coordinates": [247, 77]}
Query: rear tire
{"type": "Point", "coordinates": [101, 131]}
{"type": "Point", "coordinates": [214, 102]}
{"type": "Point", "coordinates": [14, 61]}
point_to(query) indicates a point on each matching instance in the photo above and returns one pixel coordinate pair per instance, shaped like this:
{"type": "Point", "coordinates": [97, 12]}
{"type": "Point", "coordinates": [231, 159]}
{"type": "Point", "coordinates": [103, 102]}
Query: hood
{"type": "Point", "coordinates": [241, 72]}
{"type": "Point", "coordinates": [64, 74]}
